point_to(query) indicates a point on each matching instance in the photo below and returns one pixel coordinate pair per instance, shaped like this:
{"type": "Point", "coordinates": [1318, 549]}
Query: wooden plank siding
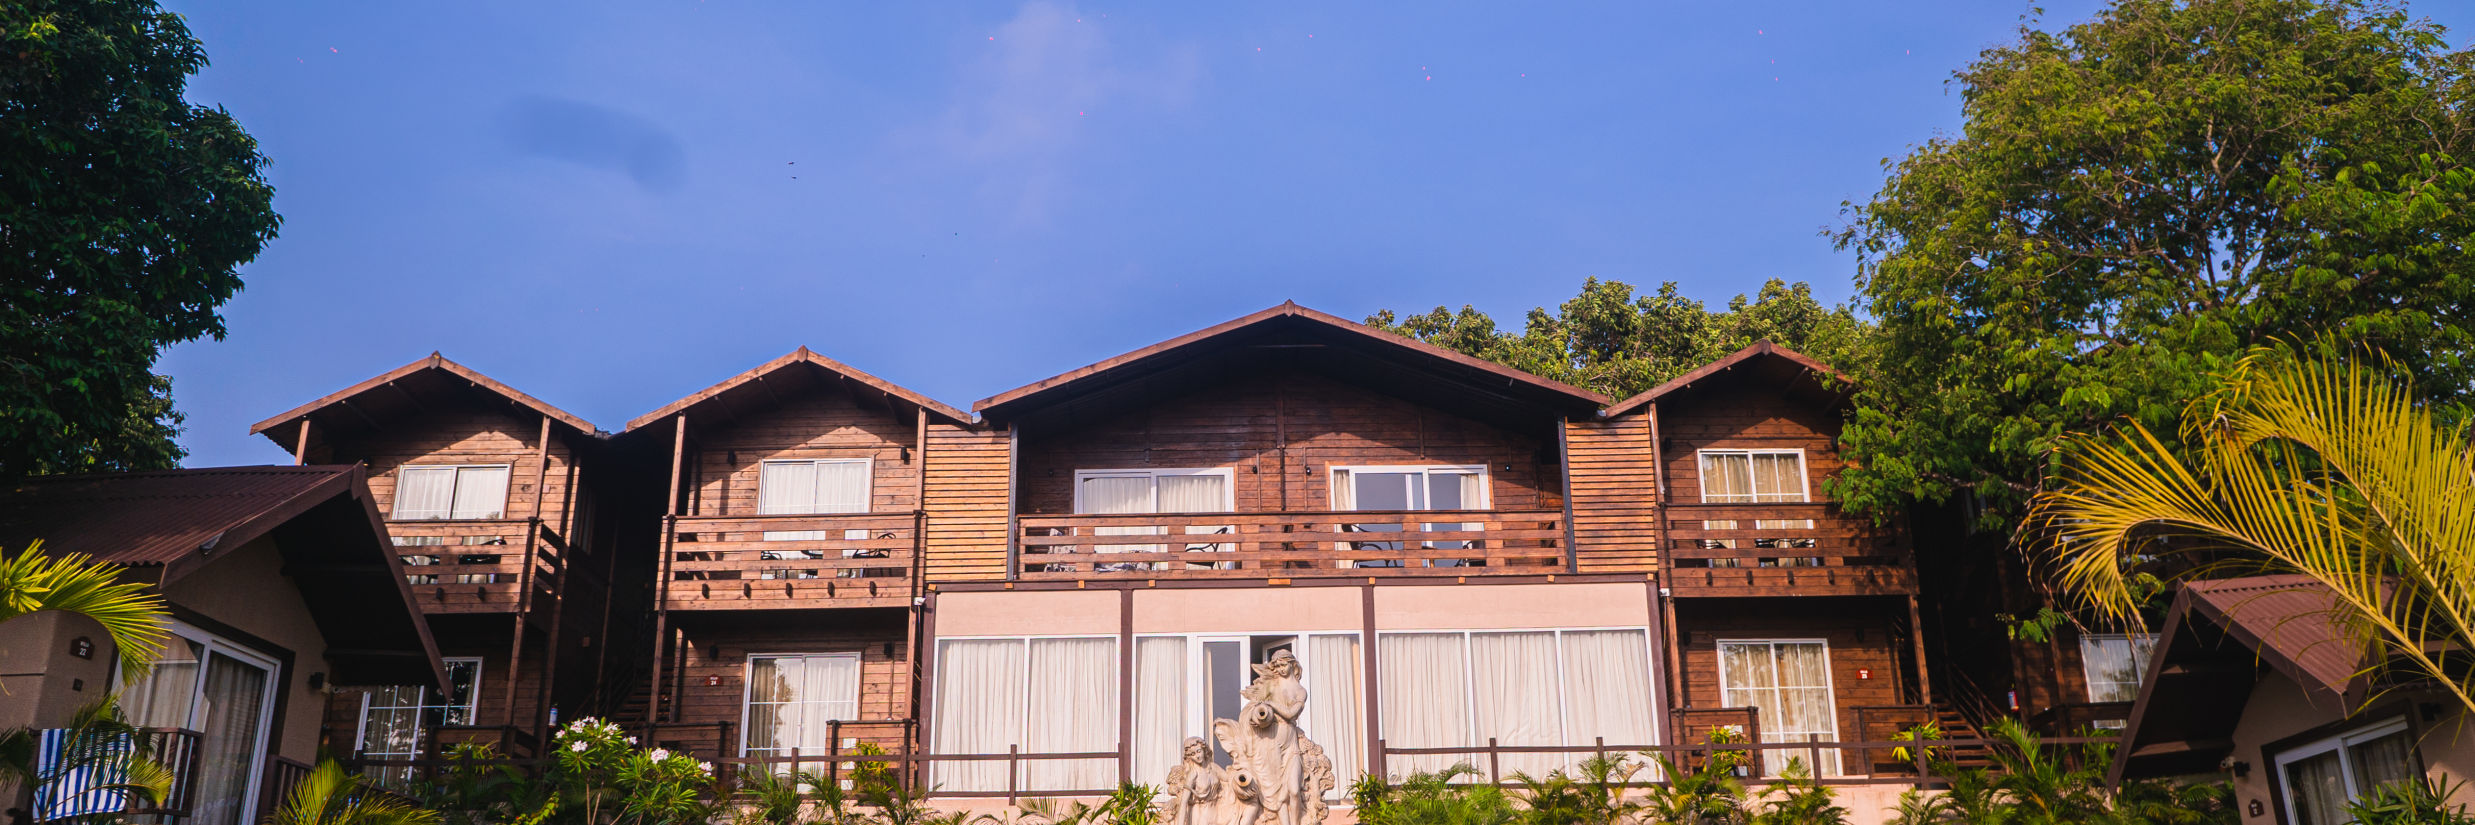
{"type": "Point", "coordinates": [1615, 495]}
{"type": "Point", "coordinates": [713, 691]}
{"type": "Point", "coordinates": [967, 498]}
{"type": "Point", "coordinates": [1862, 635]}
{"type": "Point", "coordinates": [1282, 432]}
{"type": "Point", "coordinates": [728, 456]}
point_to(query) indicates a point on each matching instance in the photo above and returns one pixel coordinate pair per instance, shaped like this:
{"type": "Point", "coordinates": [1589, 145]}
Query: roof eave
{"type": "Point", "coordinates": [803, 355]}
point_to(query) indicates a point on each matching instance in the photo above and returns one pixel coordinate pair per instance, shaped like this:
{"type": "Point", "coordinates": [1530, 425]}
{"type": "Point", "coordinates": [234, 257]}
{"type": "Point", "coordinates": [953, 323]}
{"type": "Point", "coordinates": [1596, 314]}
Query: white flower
{"type": "Point", "coordinates": [578, 746]}
{"type": "Point", "coordinates": [631, 740]}
{"type": "Point", "coordinates": [658, 754]}
{"type": "Point", "coordinates": [707, 767]}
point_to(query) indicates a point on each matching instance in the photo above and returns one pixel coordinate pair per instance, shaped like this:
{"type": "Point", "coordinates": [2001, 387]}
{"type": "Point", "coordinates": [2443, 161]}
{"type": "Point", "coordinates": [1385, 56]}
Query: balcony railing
{"type": "Point", "coordinates": [478, 565]}
{"type": "Point", "coordinates": [792, 561]}
{"type": "Point", "coordinates": [1294, 544]}
{"type": "Point", "coordinates": [1794, 549]}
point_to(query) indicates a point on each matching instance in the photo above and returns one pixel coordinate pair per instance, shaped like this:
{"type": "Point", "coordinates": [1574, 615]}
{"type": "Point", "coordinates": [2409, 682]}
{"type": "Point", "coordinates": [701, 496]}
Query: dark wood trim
{"type": "Point", "coordinates": [1013, 503]}
{"type": "Point", "coordinates": [1672, 645]}
{"type": "Point", "coordinates": [300, 444]}
{"type": "Point", "coordinates": [1374, 684]}
{"type": "Point", "coordinates": [433, 361]}
{"type": "Point", "coordinates": [924, 711]}
{"type": "Point", "coordinates": [1758, 348]}
{"type": "Point", "coordinates": [803, 355]}
{"type": "Point", "coordinates": [1916, 632]}
{"type": "Point", "coordinates": [1437, 580]}
{"type": "Point", "coordinates": [1564, 464]}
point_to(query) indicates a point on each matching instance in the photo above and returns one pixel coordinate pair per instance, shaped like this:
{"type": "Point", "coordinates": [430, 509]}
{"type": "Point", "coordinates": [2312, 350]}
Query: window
{"type": "Point", "coordinates": [2320, 777]}
{"type": "Point", "coordinates": [224, 692]}
{"type": "Point", "coordinates": [1144, 492]}
{"type": "Point", "coordinates": [2115, 665]}
{"type": "Point", "coordinates": [792, 700]}
{"type": "Point", "coordinates": [446, 491]}
{"type": "Point", "coordinates": [1182, 683]}
{"type": "Point", "coordinates": [1410, 488]}
{"type": "Point", "coordinates": [395, 721]}
{"type": "Point", "coordinates": [1788, 683]}
{"type": "Point", "coordinates": [1757, 477]}
{"type": "Point", "coordinates": [1042, 695]}
{"type": "Point", "coordinates": [1544, 688]}
{"type": "Point", "coordinates": [808, 487]}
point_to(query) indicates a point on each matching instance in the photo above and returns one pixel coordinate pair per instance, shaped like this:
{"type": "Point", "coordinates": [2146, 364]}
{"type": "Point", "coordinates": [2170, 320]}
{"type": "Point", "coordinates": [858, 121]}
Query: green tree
{"type": "Point", "coordinates": [1608, 340]}
{"type": "Point", "coordinates": [125, 213]}
{"type": "Point", "coordinates": [2134, 201]}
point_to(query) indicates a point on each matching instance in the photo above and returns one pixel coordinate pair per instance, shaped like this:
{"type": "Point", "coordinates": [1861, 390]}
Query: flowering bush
{"type": "Point", "coordinates": [599, 773]}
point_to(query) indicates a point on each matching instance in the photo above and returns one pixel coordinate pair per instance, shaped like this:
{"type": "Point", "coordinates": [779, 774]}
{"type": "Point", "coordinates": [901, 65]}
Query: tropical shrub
{"type": "Point", "coordinates": [2409, 802]}
{"type": "Point", "coordinates": [330, 796]}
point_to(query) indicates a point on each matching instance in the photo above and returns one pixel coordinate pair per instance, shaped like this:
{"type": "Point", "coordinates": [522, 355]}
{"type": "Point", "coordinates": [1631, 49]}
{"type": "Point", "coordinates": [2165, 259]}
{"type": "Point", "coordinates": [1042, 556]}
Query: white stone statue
{"type": "Point", "coordinates": [1276, 775]}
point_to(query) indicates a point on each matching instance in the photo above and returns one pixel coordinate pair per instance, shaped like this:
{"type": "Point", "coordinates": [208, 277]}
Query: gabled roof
{"type": "Point", "coordinates": [322, 519]}
{"type": "Point", "coordinates": [2217, 637]}
{"type": "Point", "coordinates": [403, 388]}
{"type": "Point", "coordinates": [1292, 326]}
{"type": "Point", "coordinates": [752, 383]}
{"type": "Point", "coordinates": [1763, 349]}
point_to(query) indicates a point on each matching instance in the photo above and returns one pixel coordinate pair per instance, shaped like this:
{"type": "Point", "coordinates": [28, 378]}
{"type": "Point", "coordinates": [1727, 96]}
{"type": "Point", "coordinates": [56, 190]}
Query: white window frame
{"type": "Point", "coordinates": [2139, 662]}
{"type": "Point", "coordinates": [1830, 682]}
{"type": "Point", "coordinates": [395, 499]}
{"type": "Point", "coordinates": [867, 493]}
{"type": "Point", "coordinates": [472, 704]}
{"type": "Point", "coordinates": [1228, 482]}
{"type": "Point", "coordinates": [1198, 711]}
{"type": "Point", "coordinates": [941, 715]}
{"type": "Point", "coordinates": [209, 646]}
{"type": "Point", "coordinates": [747, 685]}
{"type": "Point", "coordinates": [1486, 481]}
{"type": "Point", "coordinates": [2341, 743]}
{"type": "Point", "coordinates": [1701, 459]}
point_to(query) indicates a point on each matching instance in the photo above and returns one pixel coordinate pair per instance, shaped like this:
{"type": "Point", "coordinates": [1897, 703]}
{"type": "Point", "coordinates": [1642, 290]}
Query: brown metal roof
{"type": "Point", "coordinates": [803, 357]}
{"type": "Point", "coordinates": [1397, 357]}
{"type": "Point", "coordinates": [1803, 364]}
{"type": "Point", "coordinates": [163, 517]}
{"type": "Point", "coordinates": [405, 387]}
{"type": "Point", "coordinates": [2218, 638]}
{"type": "Point", "coordinates": [322, 521]}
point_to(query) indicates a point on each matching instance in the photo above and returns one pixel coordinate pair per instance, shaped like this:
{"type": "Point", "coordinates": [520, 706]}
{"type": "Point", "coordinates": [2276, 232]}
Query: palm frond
{"type": "Point", "coordinates": [76, 583]}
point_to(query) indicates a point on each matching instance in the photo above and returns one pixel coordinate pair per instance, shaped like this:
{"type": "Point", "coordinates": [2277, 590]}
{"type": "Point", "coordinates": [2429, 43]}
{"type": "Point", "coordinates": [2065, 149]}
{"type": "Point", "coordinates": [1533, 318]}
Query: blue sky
{"type": "Point", "coordinates": [614, 204]}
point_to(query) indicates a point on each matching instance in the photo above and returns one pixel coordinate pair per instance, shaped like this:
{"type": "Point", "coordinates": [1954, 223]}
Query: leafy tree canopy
{"type": "Point", "coordinates": [125, 213]}
{"type": "Point", "coordinates": [2134, 202]}
{"type": "Point", "coordinates": [1608, 340]}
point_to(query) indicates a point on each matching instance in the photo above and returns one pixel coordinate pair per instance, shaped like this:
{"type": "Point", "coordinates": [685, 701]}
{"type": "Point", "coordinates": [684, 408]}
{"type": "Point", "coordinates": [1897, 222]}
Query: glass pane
{"type": "Point", "coordinates": [1224, 674]}
{"type": "Point", "coordinates": [979, 709]}
{"type": "Point", "coordinates": [2381, 761]}
{"type": "Point", "coordinates": [1727, 477]}
{"type": "Point", "coordinates": [480, 492]}
{"type": "Point", "coordinates": [1335, 710]}
{"type": "Point", "coordinates": [841, 487]}
{"type": "Point", "coordinates": [786, 488]}
{"type": "Point", "coordinates": [162, 699]}
{"type": "Point", "coordinates": [1514, 676]}
{"type": "Point", "coordinates": [1074, 685]}
{"type": "Point", "coordinates": [1778, 477]}
{"type": "Point", "coordinates": [463, 681]}
{"type": "Point", "coordinates": [234, 696]}
{"type": "Point", "coordinates": [1423, 689]}
{"type": "Point", "coordinates": [1159, 706]}
{"type": "Point", "coordinates": [423, 492]}
{"type": "Point", "coordinates": [2316, 790]}
{"type": "Point", "coordinates": [1194, 494]}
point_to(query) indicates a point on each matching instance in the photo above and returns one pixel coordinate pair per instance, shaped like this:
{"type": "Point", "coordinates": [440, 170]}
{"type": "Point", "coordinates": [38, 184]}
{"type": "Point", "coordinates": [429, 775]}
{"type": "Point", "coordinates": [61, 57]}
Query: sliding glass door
{"type": "Point", "coordinates": [227, 694]}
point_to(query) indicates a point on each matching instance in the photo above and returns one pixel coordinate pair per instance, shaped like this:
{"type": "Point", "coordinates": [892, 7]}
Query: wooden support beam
{"type": "Point", "coordinates": [300, 444]}
{"type": "Point", "coordinates": [1662, 563]}
{"type": "Point", "coordinates": [1916, 630]}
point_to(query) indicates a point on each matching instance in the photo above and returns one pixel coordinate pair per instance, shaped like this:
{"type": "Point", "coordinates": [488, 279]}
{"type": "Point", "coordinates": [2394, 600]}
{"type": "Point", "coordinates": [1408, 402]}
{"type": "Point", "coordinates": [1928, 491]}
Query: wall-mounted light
{"type": "Point", "coordinates": [889, 650]}
{"type": "Point", "coordinates": [906, 454]}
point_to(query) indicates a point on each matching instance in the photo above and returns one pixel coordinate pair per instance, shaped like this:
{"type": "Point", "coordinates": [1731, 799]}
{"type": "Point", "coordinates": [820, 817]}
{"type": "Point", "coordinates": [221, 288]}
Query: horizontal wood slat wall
{"type": "Point", "coordinates": [967, 496]}
{"type": "Point", "coordinates": [1615, 494]}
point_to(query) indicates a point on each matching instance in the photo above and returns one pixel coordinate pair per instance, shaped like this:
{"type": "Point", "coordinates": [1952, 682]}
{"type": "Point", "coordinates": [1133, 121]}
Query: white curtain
{"type": "Point", "coordinates": [1727, 477]}
{"type": "Point", "coordinates": [1607, 693]}
{"type": "Point", "coordinates": [162, 699]}
{"type": "Point", "coordinates": [480, 492]}
{"type": "Point", "coordinates": [1159, 706]}
{"type": "Point", "coordinates": [979, 710]}
{"type": "Point", "coordinates": [229, 756]}
{"type": "Point", "coordinates": [2317, 786]}
{"type": "Point", "coordinates": [1335, 706]}
{"type": "Point", "coordinates": [792, 700]}
{"type": "Point", "coordinates": [423, 492]}
{"type": "Point", "coordinates": [1073, 709]}
{"type": "Point", "coordinates": [837, 485]}
{"type": "Point", "coordinates": [785, 487]}
{"type": "Point", "coordinates": [1789, 682]}
{"type": "Point", "coordinates": [1778, 477]}
{"type": "Point", "coordinates": [1425, 701]}
{"type": "Point", "coordinates": [1120, 495]}
{"type": "Point", "coordinates": [1514, 676]}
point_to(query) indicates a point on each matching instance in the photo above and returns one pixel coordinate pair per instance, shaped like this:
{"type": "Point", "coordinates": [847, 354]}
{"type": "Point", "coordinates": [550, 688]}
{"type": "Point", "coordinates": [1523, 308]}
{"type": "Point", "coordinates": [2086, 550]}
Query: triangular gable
{"type": "Point", "coordinates": [802, 357]}
{"type": "Point", "coordinates": [1105, 372]}
{"type": "Point", "coordinates": [282, 429]}
{"type": "Point", "coordinates": [1759, 349]}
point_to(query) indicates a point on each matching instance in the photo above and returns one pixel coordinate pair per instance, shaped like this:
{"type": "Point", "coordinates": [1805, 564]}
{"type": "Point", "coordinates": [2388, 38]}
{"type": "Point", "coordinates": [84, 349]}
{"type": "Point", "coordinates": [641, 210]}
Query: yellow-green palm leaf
{"type": "Point", "coordinates": [2324, 466]}
{"type": "Point", "coordinates": [329, 796]}
{"type": "Point", "coordinates": [31, 582]}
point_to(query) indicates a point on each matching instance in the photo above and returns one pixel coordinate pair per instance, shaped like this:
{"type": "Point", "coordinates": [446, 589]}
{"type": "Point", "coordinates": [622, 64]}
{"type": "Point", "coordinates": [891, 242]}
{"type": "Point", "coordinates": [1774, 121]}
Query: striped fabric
{"type": "Point", "coordinates": [79, 774]}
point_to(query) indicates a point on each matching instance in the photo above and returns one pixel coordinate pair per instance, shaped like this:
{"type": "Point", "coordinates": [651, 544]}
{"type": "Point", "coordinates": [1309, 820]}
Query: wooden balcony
{"type": "Point", "coordinates": [1352, 544]}
{"type": "Point", "coordinates": [478, 566]}
{"type": "Point", "coordinates": [1805, 549]}
{"type": "Point", "coordinates": [791, 562]}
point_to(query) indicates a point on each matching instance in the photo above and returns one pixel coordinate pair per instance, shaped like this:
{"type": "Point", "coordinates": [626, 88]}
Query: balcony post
{"type": "Point", "coordinates": [1916, 634]}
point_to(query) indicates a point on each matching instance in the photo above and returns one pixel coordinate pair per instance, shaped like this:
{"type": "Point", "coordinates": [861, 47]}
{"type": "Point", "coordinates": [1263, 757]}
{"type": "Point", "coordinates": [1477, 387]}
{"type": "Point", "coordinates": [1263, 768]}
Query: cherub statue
{"type": "Point", "coordinates": [1193, 790]}
{"type": "Point", "coordinates": [1266, 748]}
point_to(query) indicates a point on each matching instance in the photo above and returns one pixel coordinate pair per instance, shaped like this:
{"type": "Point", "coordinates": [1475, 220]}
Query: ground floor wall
{"type": "Point", "coordinates": [2283, 728]}
{"type": "Point", "coordinates": [1790, 657]}
{"type": "Point", "coordinates": [807, 667]}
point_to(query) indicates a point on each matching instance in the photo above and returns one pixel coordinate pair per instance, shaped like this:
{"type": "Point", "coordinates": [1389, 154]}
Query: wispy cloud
{"type": "Point", "coordinates": [1047, 77]}
{"type": "Point", "coordinates": [595, 136]}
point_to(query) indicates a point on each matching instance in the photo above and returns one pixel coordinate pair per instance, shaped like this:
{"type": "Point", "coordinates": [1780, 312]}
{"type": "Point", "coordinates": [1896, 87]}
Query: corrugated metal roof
{"type": "Point", "coordinates": [159, 517]}
{"type": "Point", "coordinates": [2286, 618]}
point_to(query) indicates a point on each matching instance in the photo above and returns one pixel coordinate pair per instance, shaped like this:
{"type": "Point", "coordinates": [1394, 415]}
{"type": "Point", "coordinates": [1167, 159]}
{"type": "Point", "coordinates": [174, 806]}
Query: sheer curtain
{"type": "Point", "coordinates": [228, 753]}
{"type": "Point", "coordinates": [1727, 477]}
{"type": "Point", "coordinates": [979, 709]}
{"type": "Point", "coordinates": [1515, 679]}
{"type": "Point", "coordinates": [1778, 477]}
{"type": "Point", "coordinates": [1424, 698]}
{"type": "Point", "coordinates": [1198, 494]}
{"type": "Point", "coordinates": [813, 486]}
{"type": "Point", "coordinates": [480, 492]}
{"type": "Point", "coordinates": [792, 700]}
{"type": "Point", "coordinates": [1159, 706]}
{"type": "Point", "coordinates": [1335, 708]}
{"type": "Point", "coordinates": [163, 697]}
{"type": "Point", "coordinates": [1073, 709]}
{"type": "Point", "coordinates": [1607, 693]}
{"type": "Point", "coordinates": [1119, 495]}
{"type": "Point", "coordinates": [2382, 760]}
{"type": "Point", "coordinates": [2317, 788]}
{"type": "Point", "coordinates": [423, 492]}
{"type": "Point", "coordinates": [1789, 684]}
